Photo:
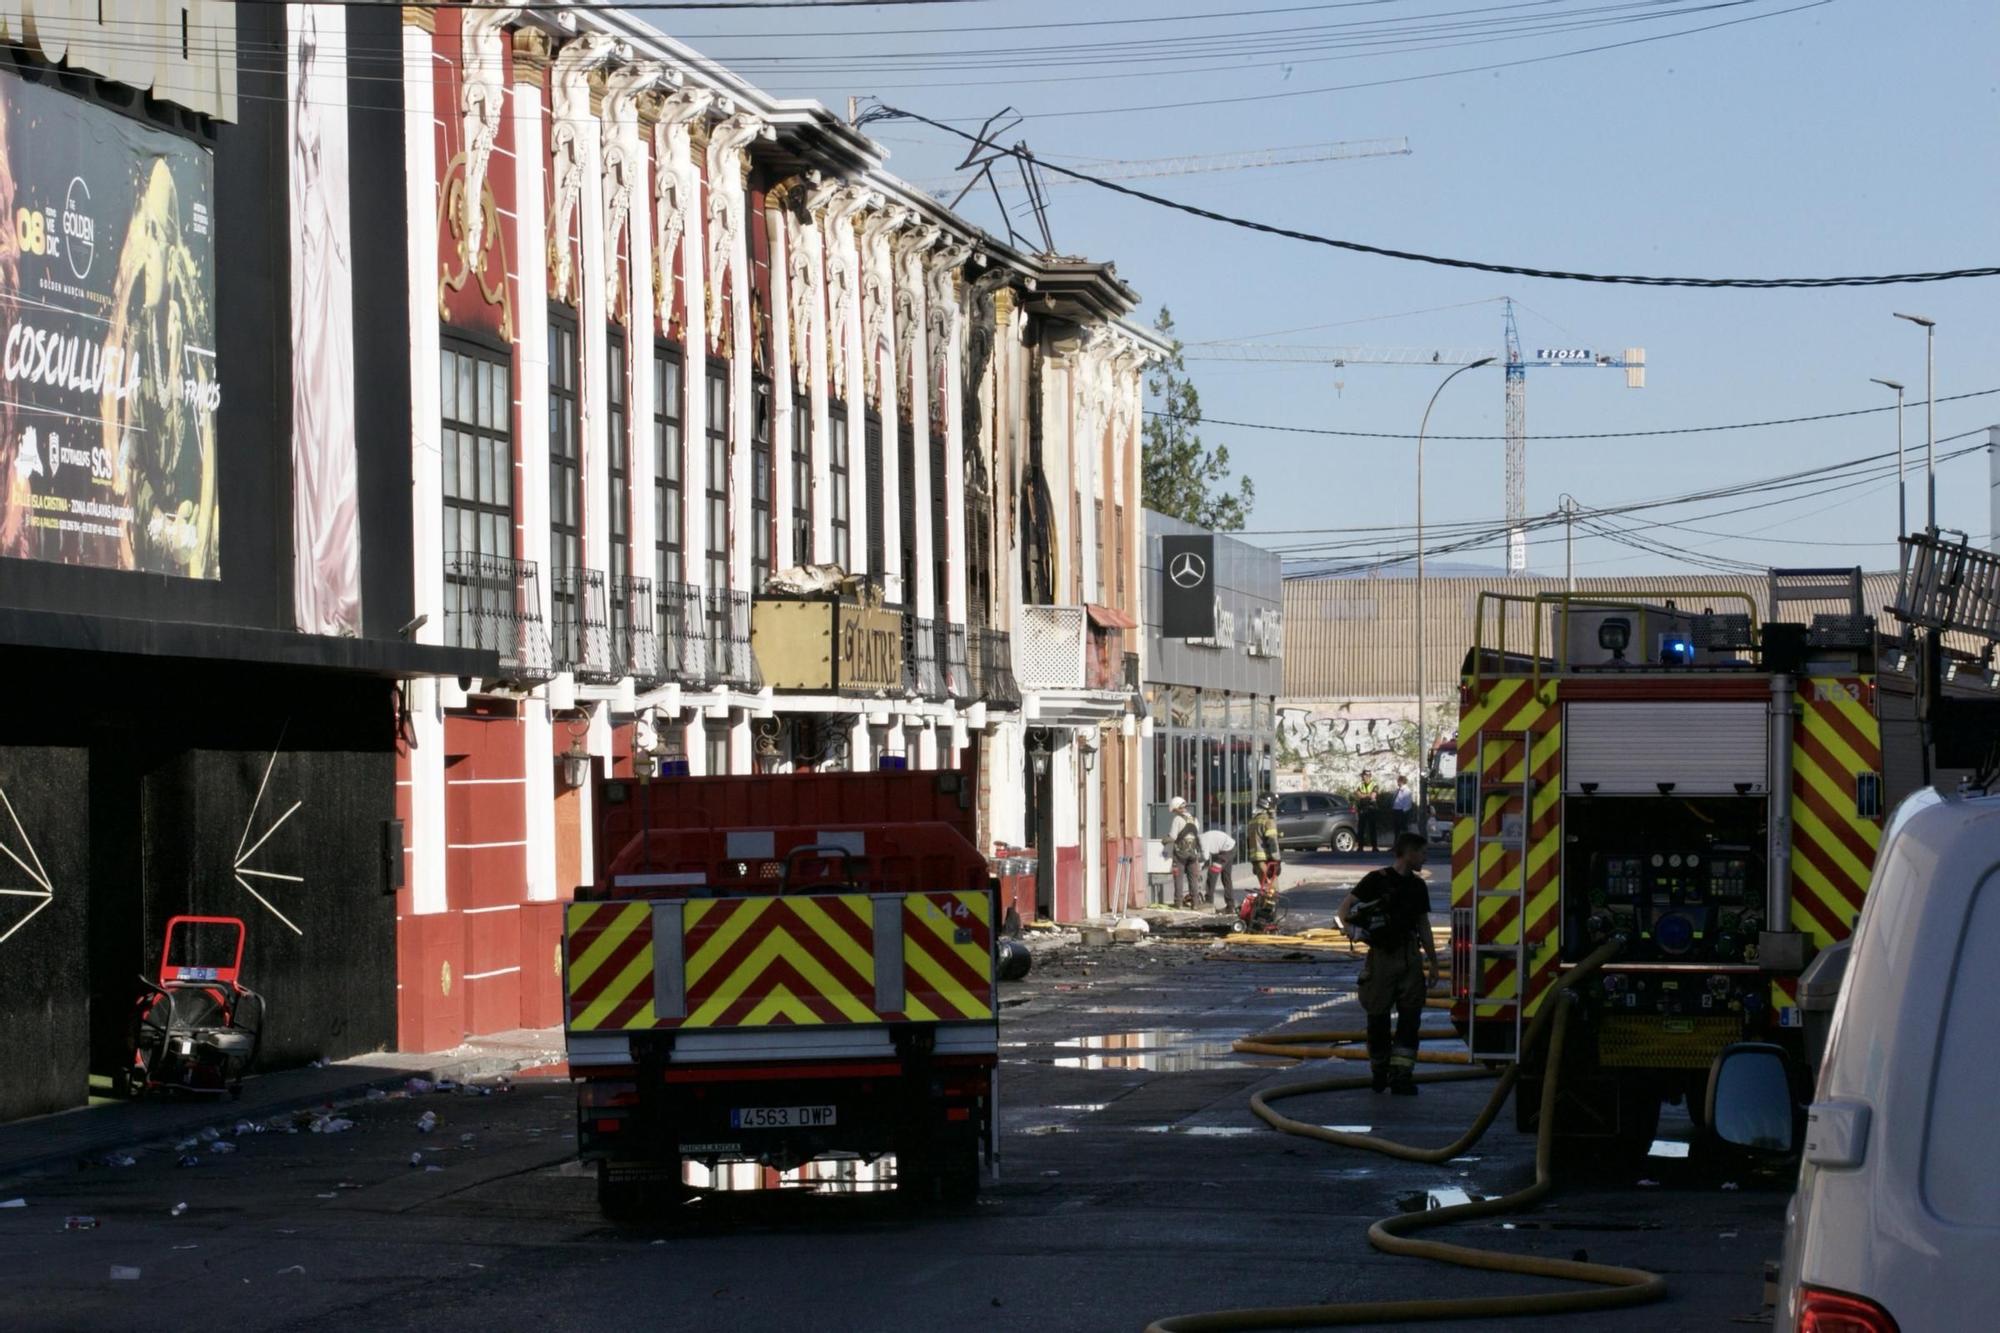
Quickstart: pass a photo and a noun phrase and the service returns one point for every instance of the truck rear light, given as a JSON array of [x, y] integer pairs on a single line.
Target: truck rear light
[[958, 1113], [607, 1126], [602, 1093], [1837, 1312]]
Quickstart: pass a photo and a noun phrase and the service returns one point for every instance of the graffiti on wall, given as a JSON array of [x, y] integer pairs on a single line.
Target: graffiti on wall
[[1326, 748]]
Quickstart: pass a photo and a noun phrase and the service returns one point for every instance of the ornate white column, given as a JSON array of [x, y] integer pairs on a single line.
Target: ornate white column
[[879, 378], [634, 103], [844, 374], [532, 60], [943, 360], [777, 240]]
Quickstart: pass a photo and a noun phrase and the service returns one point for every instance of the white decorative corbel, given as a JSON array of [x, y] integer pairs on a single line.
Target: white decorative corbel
[[909, 248], [941, 269], [624, 162], [571, 101], [673, 188], [482, 102], [834, 205], [725, 209]]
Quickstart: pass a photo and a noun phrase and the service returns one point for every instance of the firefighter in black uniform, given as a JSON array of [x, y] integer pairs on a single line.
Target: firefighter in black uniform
[[1390, 911]]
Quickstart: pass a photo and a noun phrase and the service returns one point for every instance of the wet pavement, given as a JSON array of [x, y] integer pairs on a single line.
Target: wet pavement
[[1134, 1183]]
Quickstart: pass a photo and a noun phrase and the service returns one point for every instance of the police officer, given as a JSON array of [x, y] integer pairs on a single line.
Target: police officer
[[1366, 794], [1184, 850], [1390, 911]]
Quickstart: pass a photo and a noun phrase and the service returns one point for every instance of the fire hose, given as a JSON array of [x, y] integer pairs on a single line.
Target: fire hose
[[1612, 1286]]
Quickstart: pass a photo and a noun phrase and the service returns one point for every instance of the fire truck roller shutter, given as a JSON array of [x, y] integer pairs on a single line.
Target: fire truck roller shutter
[[1701, 749]]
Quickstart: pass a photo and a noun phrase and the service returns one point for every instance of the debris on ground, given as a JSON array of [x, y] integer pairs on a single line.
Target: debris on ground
[[416, 1087], [189, 1159], [13, 1203], [117, 1159], [222, 1145], [247, 1127], [122, 1273], [80, 1222], [210, 1134], [300, 1269], [331, 1124], [177, 1210], [427, 1122], [416, 1159]]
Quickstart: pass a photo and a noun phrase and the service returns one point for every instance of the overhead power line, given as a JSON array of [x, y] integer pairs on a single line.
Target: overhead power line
[[1575, 435], [882, 111]]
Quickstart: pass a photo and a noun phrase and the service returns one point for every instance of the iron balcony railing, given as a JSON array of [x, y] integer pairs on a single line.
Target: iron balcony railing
[[683, 633], [993, 680], [730, 661], [583, 626], [957, 669], [494, 603], [635, 645], [920, 648]]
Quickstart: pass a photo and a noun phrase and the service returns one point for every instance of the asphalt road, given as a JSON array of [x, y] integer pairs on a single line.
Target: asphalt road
[[1134, 1183]]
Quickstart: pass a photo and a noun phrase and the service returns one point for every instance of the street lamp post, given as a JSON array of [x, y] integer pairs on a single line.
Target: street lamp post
[[1569, 543], [1929, 327], [1423, 755], [1902, 504]]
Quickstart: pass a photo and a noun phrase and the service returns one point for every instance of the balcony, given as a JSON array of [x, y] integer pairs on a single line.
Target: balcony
[[1071, 662], [957, 666], [582, 626], [635, 645], [683, 633], [494, 604], [992, 664], [730, 661], [923, 676]]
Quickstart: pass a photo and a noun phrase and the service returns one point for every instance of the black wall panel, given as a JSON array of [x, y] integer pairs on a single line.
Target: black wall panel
[[44, 1001]]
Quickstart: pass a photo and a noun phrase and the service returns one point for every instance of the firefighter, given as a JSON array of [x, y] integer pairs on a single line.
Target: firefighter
[[1184, 849], [1366, 794], [1390, 911], [1266, 858]]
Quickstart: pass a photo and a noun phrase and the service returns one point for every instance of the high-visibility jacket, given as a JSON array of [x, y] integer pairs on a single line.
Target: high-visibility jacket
[[1264, 837]]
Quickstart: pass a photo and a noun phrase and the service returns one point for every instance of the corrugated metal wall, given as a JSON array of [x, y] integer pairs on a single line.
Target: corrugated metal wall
[[1356, 638]]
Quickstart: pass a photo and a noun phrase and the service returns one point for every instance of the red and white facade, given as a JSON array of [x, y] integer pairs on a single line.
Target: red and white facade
[[671, 337]]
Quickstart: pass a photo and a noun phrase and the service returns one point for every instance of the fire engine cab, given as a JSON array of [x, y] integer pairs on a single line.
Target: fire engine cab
[[1678, 774]]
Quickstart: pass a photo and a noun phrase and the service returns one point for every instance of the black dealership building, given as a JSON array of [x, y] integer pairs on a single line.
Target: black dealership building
[[205, 582]]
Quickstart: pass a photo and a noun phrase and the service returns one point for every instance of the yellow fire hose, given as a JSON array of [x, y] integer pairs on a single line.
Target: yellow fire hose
[[1613, 1286]]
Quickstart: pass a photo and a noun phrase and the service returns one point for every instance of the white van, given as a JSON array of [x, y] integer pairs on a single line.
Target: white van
[[1896, 1224]]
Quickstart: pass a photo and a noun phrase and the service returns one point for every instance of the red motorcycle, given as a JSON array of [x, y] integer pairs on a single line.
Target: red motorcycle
[[197, 1028]]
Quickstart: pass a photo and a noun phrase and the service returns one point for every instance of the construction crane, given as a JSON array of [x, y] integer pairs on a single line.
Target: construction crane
[[1632, 362], [1155, 168]]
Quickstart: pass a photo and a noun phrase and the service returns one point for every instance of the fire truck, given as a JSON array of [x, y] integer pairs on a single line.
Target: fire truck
[[783, 970], [1677, 773]]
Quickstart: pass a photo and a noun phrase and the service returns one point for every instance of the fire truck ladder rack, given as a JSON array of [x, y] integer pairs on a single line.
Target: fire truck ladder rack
[[1496, 795], [1948, 584]]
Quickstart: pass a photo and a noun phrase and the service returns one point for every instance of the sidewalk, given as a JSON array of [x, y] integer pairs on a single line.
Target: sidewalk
[[79, 1137]]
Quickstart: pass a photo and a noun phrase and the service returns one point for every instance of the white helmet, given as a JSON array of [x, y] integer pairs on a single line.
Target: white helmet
[[1178, 803]]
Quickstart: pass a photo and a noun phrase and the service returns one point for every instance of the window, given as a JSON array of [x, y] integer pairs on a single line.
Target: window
[[618, 452], [477, 450], [763, 529], [839, 467], [940, 530], [871, 446], [717, 738], [802, 481], [716, 430], [667, 465], [565, 485], [906, 506], [1288, 806], [1318, 805]]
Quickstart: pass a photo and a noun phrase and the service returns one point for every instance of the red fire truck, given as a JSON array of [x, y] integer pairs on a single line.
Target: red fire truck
[[1667, 771], [813, 981]]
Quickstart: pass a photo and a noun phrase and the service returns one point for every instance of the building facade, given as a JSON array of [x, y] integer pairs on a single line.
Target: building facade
[[201, 625], [1211, 699], [741, 456]]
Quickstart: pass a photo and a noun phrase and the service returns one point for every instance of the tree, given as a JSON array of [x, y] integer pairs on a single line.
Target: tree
[[1182, 478]]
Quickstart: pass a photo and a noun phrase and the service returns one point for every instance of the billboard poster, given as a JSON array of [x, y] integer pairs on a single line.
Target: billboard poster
[[1187, 587], [326, 520], [108, 379]]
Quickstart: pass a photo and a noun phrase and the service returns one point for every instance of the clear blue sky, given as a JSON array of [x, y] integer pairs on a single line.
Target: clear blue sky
[[1847, 137]]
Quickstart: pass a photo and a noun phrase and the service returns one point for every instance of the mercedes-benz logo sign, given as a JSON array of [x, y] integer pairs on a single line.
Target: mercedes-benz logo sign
[[1188, 570]]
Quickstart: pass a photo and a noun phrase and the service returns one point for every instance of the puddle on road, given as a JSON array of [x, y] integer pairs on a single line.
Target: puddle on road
[[1219, 1131], [1081, 1107], [1157, 1050]]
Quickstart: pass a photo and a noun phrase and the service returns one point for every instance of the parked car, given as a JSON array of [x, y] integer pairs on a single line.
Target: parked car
[[1308, 820], [1896, 1223]]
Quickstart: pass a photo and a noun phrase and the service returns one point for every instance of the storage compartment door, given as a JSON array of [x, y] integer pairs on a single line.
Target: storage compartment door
[[1701, 749]]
